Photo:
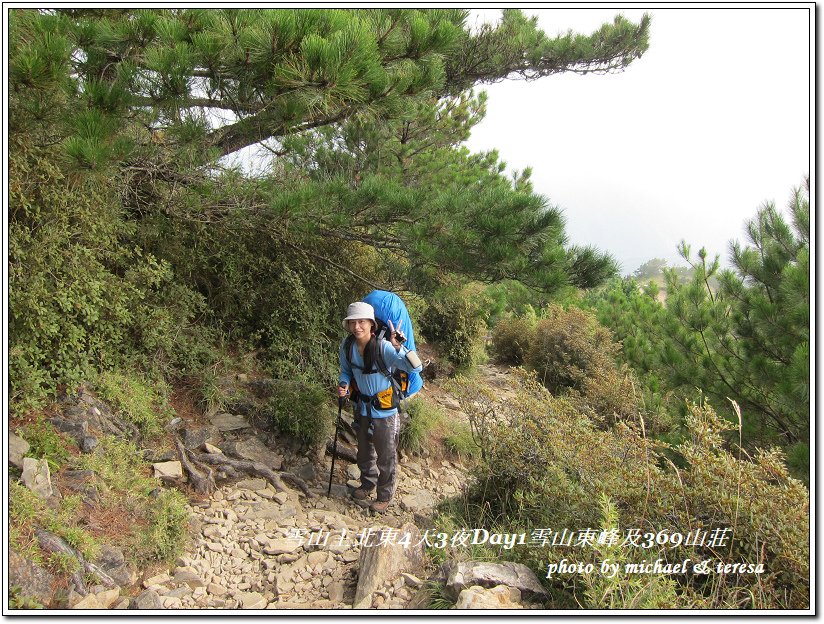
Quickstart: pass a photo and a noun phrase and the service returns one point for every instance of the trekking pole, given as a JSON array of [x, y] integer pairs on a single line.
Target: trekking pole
[[335, 445]]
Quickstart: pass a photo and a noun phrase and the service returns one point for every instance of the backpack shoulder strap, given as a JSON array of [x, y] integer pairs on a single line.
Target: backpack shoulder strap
[[347, 350]]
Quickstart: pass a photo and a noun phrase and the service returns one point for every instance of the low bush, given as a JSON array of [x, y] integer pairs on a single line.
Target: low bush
[[459, 441], [164, 537], [511, 339], [454, 319], [301, 410], [549, 465], [568, 346], [46, 443], [137, 399]]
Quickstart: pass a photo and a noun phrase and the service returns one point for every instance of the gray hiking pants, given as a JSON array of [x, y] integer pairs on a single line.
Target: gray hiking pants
[[377, 454]]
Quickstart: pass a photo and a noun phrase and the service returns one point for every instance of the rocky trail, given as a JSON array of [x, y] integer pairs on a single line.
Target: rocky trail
[[256, 542]]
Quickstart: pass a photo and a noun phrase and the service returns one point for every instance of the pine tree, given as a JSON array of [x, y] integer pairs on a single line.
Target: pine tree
[[239, 76], [741, 333]]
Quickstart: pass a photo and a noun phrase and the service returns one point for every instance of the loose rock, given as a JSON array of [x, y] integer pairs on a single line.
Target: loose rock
[[18, 448], [36, 476]]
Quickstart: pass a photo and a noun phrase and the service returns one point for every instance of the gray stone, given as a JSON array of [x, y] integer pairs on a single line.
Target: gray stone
[[251, 600], [229, 422], [352, 471], [317, 557], [499, 597], [420, 501], [216, 590], [411, 580], [148, 599], [465, 574], [174, 424], [112, 562], [36, 476], [88, 444], [168, 470], [254, 450], [307, 472], [179, 592], [18, 448], [251, 484], [77, 430], [282, 546], [382, 562], [211, 448], [33, 581], [189, 578], [195, 438], [336, 591]]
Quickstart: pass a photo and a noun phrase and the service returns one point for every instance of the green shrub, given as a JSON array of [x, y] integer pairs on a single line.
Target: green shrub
[[82, 297], [455, 321], [301, 411], [165, 536], [121, 468], [511, 339]]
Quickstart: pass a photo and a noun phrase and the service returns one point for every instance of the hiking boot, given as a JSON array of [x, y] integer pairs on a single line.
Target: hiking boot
[[379, 506], [360, 494]]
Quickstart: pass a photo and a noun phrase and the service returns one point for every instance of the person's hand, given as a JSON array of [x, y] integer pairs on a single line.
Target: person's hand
[[343, 390], [395, 336]]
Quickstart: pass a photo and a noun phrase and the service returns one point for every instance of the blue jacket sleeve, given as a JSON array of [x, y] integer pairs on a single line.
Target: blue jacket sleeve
[[397, 359], [345, 377]]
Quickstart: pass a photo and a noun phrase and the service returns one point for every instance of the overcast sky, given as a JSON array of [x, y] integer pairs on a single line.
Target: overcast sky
[[686, 143]]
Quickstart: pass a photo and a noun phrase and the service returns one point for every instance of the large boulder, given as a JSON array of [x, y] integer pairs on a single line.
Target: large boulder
[[383, 559], [465, 574], [499, 597]]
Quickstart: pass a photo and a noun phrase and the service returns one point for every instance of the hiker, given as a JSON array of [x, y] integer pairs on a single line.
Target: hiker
[[375, 398]]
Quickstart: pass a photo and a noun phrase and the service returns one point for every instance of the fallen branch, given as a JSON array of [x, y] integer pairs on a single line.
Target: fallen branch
[[202, 481], [259, 470]]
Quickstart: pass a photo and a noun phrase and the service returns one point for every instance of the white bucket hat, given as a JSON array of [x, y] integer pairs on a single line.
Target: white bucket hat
[[358, 310]]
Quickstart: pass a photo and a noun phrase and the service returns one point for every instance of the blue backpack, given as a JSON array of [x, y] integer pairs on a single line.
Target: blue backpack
[[388, 307]]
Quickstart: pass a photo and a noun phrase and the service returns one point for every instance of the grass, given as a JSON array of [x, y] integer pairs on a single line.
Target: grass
[[132, 512], [424, 420], [142, 402], [46, 443], [459, 441]]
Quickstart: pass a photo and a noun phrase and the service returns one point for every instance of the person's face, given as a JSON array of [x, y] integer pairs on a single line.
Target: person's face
[[361, 328]]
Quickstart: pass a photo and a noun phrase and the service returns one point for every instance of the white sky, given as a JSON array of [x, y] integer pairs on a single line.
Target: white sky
[[688, 142]]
